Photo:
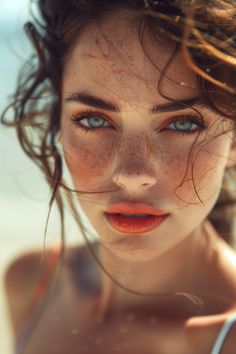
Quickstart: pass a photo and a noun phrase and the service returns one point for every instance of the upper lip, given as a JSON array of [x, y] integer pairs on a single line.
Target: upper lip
[[134, 208]]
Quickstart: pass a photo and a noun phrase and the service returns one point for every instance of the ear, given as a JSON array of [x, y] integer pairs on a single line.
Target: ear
[[231, 161]]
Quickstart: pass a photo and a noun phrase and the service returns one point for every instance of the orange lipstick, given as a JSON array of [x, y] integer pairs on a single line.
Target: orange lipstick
[[134, 217]]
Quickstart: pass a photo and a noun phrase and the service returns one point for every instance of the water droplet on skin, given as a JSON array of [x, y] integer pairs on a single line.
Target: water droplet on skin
[[130, 317], [75, 331]]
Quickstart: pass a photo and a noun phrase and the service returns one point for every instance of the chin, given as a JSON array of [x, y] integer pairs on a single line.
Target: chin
[[135, 251]]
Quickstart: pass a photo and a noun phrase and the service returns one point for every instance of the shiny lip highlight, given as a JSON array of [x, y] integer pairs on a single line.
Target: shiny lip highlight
[[134, 208]]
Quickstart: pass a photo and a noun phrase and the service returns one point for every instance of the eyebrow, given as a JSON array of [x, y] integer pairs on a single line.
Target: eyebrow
[[94, 101]]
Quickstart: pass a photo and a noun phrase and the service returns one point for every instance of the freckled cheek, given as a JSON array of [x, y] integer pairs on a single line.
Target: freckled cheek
[[210, 163], [206, 159], [89, 161], [204, 175], [173, 164], [175, 168]]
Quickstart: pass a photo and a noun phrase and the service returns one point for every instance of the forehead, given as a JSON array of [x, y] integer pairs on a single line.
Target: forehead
[[109, 58]]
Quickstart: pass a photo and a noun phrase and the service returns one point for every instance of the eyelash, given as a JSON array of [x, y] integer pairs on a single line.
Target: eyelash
[[193, 118], [76, 118]]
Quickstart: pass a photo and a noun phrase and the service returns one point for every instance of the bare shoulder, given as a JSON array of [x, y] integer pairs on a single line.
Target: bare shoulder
[[23, 268], [20, 279], [30, 274], [23, 280]]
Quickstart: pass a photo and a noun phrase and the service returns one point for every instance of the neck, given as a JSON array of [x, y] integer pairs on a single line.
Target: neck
[[169, 273]]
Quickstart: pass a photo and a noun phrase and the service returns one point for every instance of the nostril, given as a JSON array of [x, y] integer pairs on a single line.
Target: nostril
[[134, 181]]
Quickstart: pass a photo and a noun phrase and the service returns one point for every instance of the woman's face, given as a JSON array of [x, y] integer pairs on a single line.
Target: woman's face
[[124, 142]]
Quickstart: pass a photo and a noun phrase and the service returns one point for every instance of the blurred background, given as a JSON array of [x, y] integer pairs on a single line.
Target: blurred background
[[23, 193]]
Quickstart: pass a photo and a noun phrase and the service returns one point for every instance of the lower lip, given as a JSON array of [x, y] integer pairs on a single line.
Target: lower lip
[[135, 224]]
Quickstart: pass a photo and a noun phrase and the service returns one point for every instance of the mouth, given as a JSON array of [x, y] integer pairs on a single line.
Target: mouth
[[134, 218]]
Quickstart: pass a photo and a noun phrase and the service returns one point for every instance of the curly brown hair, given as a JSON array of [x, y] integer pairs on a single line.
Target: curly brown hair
[[205, 32]]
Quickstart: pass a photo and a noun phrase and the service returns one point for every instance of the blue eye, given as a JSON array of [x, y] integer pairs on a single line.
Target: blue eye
[[186, 124], [90, 121], [94, 122]]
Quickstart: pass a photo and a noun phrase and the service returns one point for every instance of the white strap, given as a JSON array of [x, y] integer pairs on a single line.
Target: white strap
[[223, 333]]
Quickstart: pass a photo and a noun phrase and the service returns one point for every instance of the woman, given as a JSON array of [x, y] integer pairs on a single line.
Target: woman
[[137, 100]]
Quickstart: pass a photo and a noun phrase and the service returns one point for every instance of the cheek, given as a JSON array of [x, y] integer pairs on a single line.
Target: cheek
[[173, 162], [211, 161], [203, 179], [88, 161]]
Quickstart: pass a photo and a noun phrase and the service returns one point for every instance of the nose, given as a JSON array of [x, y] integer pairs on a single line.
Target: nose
[[135, 168], [134, 183]]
